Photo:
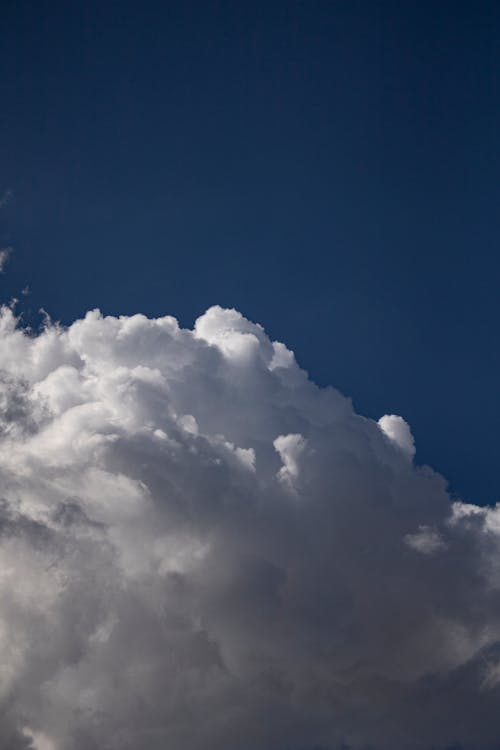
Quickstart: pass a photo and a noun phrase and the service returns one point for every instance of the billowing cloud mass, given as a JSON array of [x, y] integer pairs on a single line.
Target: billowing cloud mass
[[202, 550]]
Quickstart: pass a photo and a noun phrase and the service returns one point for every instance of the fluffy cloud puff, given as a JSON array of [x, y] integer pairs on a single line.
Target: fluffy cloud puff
[[202, 550]]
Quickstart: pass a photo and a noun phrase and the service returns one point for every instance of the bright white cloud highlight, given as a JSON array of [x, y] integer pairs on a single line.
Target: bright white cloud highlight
[[398, 431], [202, 550]]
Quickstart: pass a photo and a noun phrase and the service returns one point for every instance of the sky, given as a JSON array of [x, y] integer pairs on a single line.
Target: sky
[[251, 503], [329, 169]]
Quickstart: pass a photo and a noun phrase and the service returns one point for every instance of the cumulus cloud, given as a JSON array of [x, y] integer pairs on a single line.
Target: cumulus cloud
[[202, 550]]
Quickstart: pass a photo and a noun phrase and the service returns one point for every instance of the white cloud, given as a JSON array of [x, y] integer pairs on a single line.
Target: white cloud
[[398, 431], [202, 550], [290, 449]]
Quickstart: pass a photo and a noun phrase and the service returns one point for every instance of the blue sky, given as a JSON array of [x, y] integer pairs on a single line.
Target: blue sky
[[200, 549], [329, 169]]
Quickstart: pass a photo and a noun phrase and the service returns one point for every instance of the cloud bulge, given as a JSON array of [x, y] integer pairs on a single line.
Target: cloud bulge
[[200, 549]]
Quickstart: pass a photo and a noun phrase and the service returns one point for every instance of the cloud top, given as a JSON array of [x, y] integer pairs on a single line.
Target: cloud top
[[398, 431], [201, 549]]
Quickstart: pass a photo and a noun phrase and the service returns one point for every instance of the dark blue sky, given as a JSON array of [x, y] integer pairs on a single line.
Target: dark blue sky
[[330, 169]]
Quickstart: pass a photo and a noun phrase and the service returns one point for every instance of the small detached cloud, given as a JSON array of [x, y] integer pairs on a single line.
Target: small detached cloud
[[5, 254], [5, 197], [200, 549]]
